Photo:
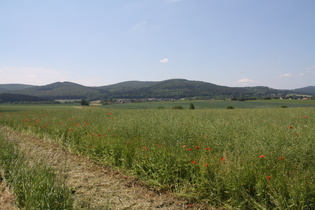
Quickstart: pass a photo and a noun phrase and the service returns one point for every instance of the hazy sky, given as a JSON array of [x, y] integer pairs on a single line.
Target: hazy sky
[[101, 42]]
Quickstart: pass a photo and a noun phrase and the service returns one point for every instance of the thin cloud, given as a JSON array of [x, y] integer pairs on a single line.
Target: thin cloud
[[310, 70], [245, 80], [164, 60], [139, 25], [287, 75]]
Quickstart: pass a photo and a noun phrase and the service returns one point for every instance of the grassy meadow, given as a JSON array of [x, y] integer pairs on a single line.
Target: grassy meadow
[[240, 158]]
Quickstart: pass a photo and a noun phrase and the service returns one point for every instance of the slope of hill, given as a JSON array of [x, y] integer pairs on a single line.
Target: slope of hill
[[60, 90], [10, 98], [6, 87], [309, 90], [125, 86], [179, 88], [173, 88]]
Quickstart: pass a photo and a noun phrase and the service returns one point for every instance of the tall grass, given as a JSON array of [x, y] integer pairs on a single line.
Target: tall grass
[[34, 185], [251, 158]]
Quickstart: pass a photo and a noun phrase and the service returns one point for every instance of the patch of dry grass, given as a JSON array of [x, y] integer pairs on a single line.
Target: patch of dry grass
[[7, 199]]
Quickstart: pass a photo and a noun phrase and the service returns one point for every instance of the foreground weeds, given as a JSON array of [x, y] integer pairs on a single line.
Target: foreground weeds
[[258, 158], [34, 185]]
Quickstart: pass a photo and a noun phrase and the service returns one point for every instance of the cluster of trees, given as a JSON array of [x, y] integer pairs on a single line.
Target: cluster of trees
[[20, 98]]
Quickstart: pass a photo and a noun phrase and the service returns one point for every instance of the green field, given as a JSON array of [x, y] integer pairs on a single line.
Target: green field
[[217, 104], [241, 158]]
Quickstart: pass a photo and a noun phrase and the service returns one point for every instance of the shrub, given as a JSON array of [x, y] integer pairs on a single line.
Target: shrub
[[191, 106], [178, 107], [229, 107]]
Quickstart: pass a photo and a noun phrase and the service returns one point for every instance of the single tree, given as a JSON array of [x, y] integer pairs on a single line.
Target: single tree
[[84, 102]]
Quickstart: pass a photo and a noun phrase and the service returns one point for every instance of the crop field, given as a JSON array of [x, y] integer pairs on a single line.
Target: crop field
[[239, 158], [216, 104]]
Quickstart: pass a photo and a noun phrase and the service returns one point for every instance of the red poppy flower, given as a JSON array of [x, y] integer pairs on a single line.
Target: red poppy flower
[[250, 189], [208, 148], [206, 164], [280, 158], [222, 159], [189, 149], [197, 147], [268, 177], [184, 146], [262, 156], [291, 127], [193, 162]]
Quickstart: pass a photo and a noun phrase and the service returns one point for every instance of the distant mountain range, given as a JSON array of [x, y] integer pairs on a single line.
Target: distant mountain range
[[173, 88]]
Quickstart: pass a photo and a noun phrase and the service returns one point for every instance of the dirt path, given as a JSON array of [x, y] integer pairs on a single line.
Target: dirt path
[[94, 186]]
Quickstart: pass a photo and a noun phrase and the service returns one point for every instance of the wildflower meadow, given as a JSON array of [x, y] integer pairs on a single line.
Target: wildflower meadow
[[240, 158]]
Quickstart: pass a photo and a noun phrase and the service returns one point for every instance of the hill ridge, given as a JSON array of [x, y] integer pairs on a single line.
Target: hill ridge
[[171, 88]]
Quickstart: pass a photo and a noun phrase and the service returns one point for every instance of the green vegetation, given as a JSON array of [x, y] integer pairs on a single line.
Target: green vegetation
[[171, 89], [309, 90], [211, 104], [35, 186], [84, 102], [5, 87], [229, 107], [19, 98], [247, 158], [178, 107]]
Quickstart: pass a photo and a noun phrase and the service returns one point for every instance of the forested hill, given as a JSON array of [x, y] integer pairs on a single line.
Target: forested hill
[[180, 88], [309, 90], [9, 87], [60, 90], [11, 98], [174, 88]]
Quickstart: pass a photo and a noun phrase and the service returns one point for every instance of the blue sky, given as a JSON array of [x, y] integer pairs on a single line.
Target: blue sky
[[101, 42]]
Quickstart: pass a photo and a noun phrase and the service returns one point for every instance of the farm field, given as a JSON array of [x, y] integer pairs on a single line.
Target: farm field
[[217, 104], [241, 158]]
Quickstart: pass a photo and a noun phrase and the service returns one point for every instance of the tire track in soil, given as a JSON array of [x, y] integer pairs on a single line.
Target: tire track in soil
[[94, 186]]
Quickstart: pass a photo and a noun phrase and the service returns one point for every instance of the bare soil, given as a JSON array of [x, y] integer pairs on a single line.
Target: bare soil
[[93, 186]]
